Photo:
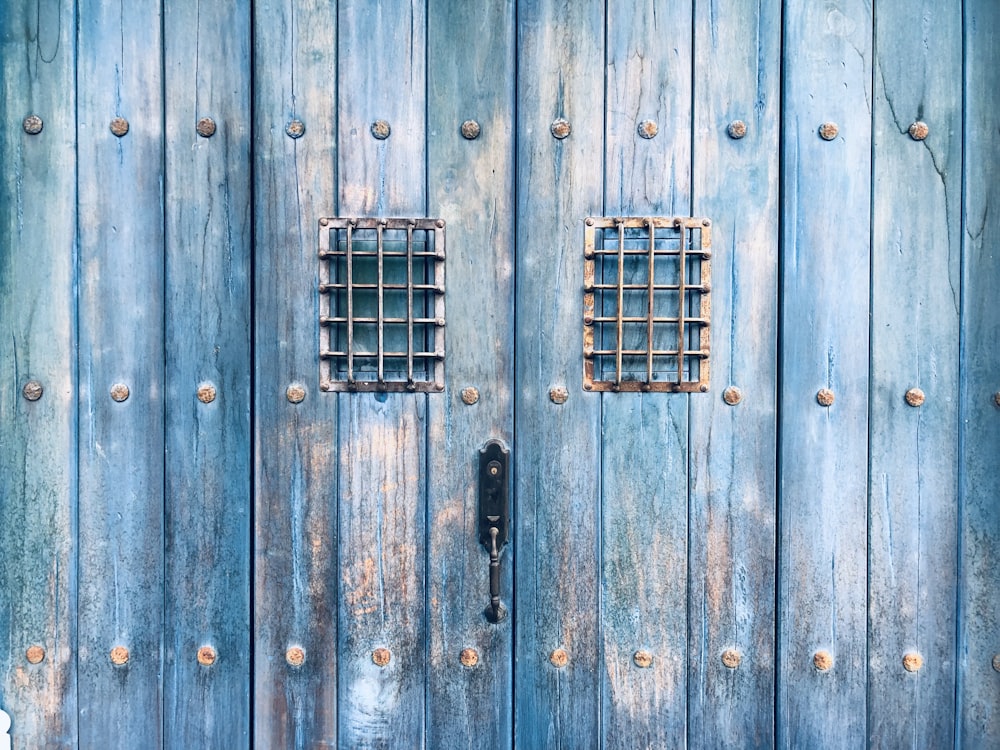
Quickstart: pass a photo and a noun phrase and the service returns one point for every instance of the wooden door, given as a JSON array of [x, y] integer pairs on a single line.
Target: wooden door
[[209, 539]]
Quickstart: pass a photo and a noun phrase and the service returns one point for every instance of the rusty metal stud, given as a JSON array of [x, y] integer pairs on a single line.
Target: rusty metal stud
[[295, 656], [35, 654], [915, 397], [470, 395], [119, 656], [205, 127], [912, 661], [469, 657], [996, 662], [32, 390], [559, 395], [295, 393], [642, 659], [731, 658], [828, 131], [295, 128], [381, 657], [470, 130], [32, 124], [732, 395], [823, 661], [824, 397], [560, 128], [559, 658], [206, 656], [648, 129], [589, 221], [206, 393], [119, 392], [737, 129], [381, 130], [918, 130], [439, 223], [119, 126]]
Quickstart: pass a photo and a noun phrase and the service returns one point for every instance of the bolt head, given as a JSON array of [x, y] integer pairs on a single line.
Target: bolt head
[[470, 130], [205, 127], [825, 397], [119, 656], [470, 395], [560, 128], [828, 131], [206, 656], [731, 658], [648, 129], [119, 126], [119, 392], [732, 395], [912, 661], [381, 657], [737, 129], [559, 658], [469, 657], [559, 395], [823, 661], [915, 397], [295, 393], [919, 130], [35, 654], [380, 130], [642, 659], [206, 393], [32, 390], [295, 656], [32, 124], [295, 129]]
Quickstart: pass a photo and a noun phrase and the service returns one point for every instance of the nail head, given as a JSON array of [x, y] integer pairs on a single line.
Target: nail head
[[731, 658], [35, 654], [381, 657], [295, 129], [206, 656], [825, 397], [32, 124], [119, 392], [470, 130], [560, 128], [732, 395], [381, 130], [823, 661], [295, 656], [642, 659], [206, 393], [119, 656], [737, 129], [206, 127], [559, 658], [470, 395], [828, 131], [295, 393], [119, 126], [915, 397], [648, 129], [912, 661], [32, 390], [469, 657], [919, 130], [559, 395]]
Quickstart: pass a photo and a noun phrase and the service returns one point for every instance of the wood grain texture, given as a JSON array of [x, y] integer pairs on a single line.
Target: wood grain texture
[[979, 581], [731, 556], [207, 474], [121, 342], [557, 488], [296, 463], [382, 494], [471, 186], [823, 450], [916, 281], [644, 445], [37, 338]]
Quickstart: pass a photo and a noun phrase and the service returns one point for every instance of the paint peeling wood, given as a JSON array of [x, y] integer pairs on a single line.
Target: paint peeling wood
[[979, 582], [296, 465], [731, 603], [208, 225], [823, 450], [916, 279], [37, 337], [470, 76], [121, 341]]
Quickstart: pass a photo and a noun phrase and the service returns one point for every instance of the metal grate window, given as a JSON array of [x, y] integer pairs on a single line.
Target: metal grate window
[[381, 285], [646, 305]]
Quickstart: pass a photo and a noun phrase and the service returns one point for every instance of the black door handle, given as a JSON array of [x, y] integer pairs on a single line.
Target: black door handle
[[494, 516]]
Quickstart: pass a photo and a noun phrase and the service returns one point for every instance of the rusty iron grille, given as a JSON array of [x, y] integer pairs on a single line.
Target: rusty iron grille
[[381, 285], [646, 304]]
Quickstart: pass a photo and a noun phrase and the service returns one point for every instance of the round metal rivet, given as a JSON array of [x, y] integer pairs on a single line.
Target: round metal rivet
[[823, 661], [470, 130], [469, 657], [824, 397], [732, 395], [912, 661], [703, 388], [295, 393], [295, 656], [35, 654], [560, 128], [295, 129], [648, 129], [206, 393], [915, 397], [706, 223], [206, 656], [119, 656], [470, 395], [737, 129], [32, 124], [119, 392], [559, 658], [996, 662], [381, 657], [559, 395], [119, 126], [381, 130], [439, 223], [205, 127], [642, 659], [32, 390], [731, 658], [918, 130], [589, 222], [828, 131]]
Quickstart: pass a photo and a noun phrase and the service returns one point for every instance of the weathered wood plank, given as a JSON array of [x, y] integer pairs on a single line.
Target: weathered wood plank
[[296, 466], [733, 482], [37, 337], [383, 438], [916, 277], [470, 76], [121, 347], [644, 445], [557, 495], [979, 581], [823, 450], [207, 348]]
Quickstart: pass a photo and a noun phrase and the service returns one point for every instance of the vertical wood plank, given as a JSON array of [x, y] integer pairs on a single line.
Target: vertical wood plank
[[557, 543], [979, 581], [383, 437], [207, 474], [823, 450], [471, 76], [644, 481], [733, 447], [37, 339], [121, 346], [296, 466], [916, 278]]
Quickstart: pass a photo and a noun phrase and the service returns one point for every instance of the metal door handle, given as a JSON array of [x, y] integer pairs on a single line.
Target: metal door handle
[[494, 516]]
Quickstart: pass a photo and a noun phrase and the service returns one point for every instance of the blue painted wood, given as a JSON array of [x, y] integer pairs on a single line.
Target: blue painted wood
[[207, 348], [731, 558], [295, 444], [120, 346], [979, 571], [916, 281], [37, 314], [823, 450], [470, 75]]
